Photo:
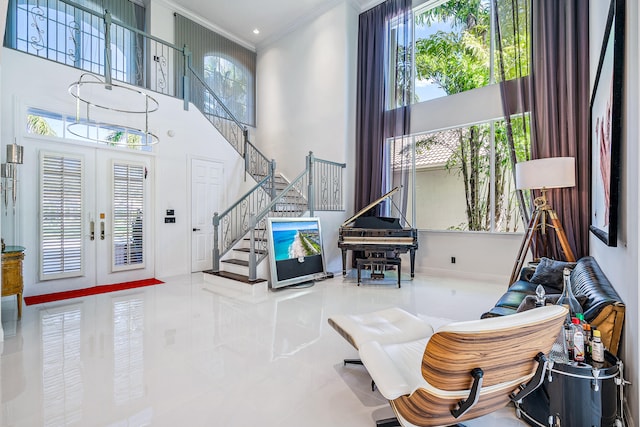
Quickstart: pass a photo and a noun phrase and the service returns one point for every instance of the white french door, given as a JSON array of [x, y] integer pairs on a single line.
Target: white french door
[[94, 216]]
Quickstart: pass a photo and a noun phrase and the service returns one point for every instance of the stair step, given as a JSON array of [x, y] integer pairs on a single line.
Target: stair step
[[234, 276], [247, 250], [236, 262], [257, 239]]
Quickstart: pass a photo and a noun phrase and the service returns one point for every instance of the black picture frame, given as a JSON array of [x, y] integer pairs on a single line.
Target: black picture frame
[[606, 128]]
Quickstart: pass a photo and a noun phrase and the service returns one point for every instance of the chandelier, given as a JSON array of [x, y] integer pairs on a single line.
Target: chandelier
[[95, 97]]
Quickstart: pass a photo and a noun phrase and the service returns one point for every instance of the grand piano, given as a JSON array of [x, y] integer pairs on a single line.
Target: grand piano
[[382, 239]]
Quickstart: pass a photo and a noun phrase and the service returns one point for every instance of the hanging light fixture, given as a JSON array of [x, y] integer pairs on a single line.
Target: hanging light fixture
[[92, 93]]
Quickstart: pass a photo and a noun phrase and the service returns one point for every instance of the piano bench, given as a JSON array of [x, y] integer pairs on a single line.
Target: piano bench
[[378, 262]]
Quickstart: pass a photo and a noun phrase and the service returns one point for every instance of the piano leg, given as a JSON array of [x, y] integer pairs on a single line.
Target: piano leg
[[412, 255], [344, 262]]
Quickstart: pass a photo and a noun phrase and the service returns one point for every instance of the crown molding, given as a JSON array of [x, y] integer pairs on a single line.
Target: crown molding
[[196, 18]]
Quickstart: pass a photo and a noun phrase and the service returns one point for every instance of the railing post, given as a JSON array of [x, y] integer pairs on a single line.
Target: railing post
[[253, 268], [216, 247], [107, 48], [186, 85], [245, 136], [310, 191], [245, 154], [272, 174]]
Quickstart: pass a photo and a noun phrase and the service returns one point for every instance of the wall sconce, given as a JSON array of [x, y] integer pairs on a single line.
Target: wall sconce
[[9, 173]]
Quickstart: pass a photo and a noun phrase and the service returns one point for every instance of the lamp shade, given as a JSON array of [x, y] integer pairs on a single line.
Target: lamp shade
[[552, 172]]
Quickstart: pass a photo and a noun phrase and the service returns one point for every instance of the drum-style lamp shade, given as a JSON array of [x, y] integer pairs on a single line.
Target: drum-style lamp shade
[[552, 172]]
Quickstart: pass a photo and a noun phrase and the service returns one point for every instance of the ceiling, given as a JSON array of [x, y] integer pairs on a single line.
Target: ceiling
[[237, 19]]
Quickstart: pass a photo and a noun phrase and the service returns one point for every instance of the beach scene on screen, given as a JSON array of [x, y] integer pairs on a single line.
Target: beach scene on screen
[[295, 239]]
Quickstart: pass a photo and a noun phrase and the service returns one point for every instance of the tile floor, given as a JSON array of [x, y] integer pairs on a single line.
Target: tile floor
[[192, 353]]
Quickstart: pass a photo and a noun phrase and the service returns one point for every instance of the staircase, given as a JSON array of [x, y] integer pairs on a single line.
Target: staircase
[[240, 238], [236, 265]]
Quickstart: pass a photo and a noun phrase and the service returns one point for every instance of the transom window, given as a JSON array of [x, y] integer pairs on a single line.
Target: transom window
[[47, 123]]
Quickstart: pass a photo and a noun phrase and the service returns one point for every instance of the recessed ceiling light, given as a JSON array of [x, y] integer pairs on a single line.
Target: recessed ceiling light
[[256, 31]]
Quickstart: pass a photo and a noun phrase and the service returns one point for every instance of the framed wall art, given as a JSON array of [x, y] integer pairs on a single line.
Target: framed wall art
[[606, 128]]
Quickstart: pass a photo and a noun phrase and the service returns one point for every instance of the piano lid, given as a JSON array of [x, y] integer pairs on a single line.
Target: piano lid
[[369, 206]]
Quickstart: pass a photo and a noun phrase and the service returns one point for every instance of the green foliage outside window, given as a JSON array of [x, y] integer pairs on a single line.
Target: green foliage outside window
[[458, 59]]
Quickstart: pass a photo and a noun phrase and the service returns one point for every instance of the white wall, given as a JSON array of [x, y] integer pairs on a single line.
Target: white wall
[[620, 263], [479, 255], [306, 102], [22, 86], [440, 200]]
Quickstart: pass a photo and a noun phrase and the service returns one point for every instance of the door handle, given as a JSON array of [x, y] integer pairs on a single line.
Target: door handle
[[92, 230], [196, 229], [101, 230]]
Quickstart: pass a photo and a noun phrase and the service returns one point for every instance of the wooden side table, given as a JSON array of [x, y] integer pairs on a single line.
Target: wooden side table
[[12, 284]]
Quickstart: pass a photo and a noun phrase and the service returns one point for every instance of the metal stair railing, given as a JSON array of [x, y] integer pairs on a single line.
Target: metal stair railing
[[233, 224], [204, 98], [320, 177]]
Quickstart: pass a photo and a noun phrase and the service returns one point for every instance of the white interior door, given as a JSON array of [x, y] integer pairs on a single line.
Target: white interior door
[[206, 199], [94, 218]]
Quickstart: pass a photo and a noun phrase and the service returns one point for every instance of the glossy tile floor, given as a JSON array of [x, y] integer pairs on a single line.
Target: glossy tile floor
[[192, 353]]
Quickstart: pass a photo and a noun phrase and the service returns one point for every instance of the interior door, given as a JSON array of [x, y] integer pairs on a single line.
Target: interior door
[[206, 199], [94, 218]]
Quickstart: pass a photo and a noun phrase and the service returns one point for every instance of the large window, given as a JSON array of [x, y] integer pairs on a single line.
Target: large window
[[67, 34], [453, 47], [461, 170], [462, 178]]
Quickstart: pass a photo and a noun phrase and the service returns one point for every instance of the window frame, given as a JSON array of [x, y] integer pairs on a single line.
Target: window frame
[[483, 104]]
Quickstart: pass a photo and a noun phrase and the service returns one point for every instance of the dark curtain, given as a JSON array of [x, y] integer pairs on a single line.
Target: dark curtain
[[560, 108], [382, 93]]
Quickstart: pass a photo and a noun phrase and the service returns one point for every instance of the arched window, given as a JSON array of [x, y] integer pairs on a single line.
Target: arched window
[[230, 81]]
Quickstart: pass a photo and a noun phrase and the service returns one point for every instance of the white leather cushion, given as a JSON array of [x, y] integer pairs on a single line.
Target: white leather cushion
[[395, 368], [392, 325]]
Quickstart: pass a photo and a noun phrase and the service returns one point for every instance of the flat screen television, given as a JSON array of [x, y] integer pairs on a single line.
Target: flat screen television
[[295, 251]]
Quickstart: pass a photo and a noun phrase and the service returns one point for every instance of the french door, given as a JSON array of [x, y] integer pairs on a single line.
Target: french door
[[94, 218]]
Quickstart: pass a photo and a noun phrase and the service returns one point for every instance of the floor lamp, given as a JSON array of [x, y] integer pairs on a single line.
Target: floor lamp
[[543, 174]]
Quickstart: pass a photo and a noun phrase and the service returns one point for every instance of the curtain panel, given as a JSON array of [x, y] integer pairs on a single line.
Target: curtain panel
[[560, 108], [383, 92]]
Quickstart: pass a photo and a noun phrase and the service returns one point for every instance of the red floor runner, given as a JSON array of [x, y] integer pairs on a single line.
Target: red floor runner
[[41, 299]]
